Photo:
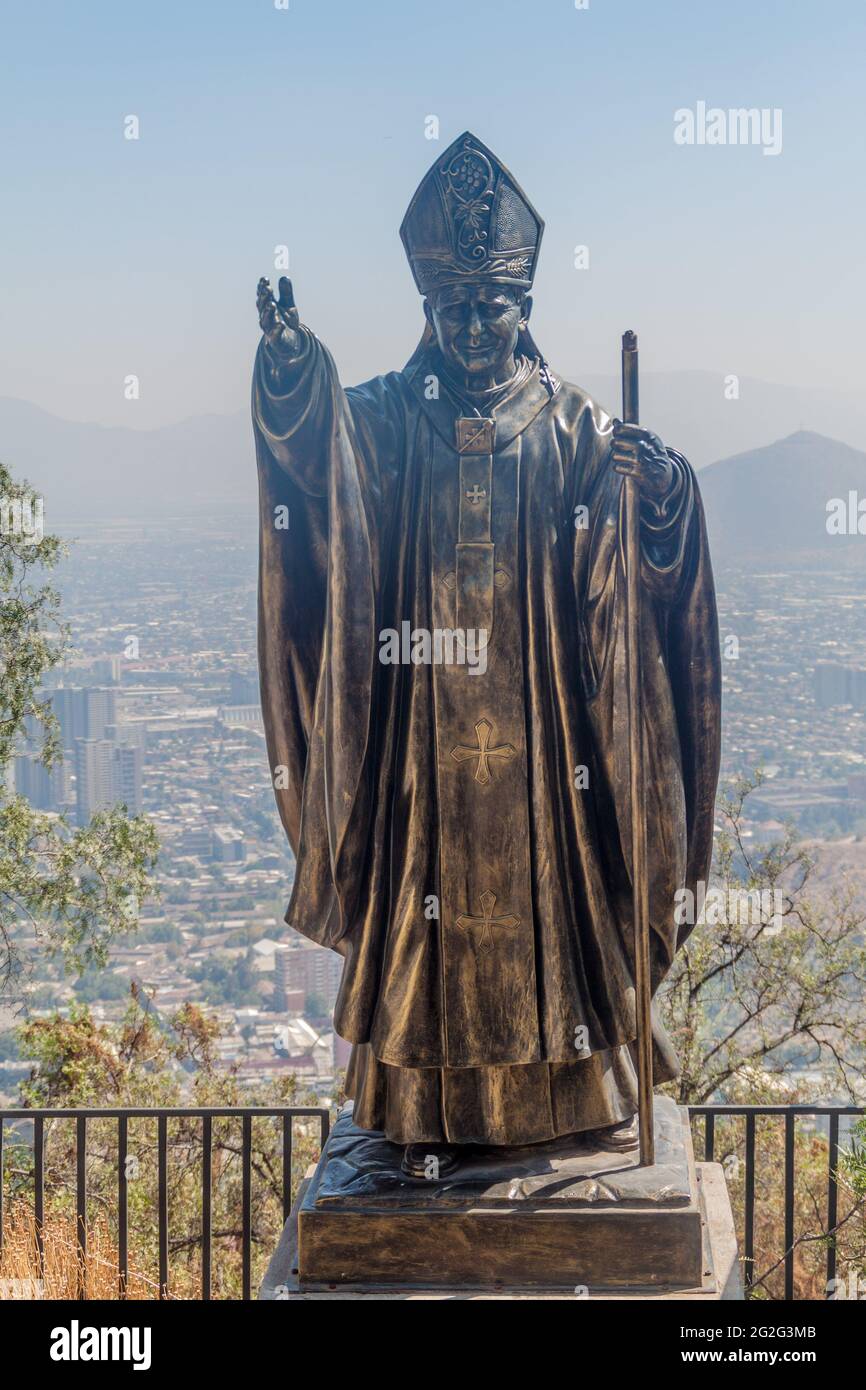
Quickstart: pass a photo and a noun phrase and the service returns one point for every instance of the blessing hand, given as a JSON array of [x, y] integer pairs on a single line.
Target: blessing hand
[[279, 318]]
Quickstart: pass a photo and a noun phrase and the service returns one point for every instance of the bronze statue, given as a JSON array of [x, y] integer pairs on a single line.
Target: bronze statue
[[443, 673]]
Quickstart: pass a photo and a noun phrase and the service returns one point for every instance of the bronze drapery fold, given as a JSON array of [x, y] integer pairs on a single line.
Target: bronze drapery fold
[[526, 973]]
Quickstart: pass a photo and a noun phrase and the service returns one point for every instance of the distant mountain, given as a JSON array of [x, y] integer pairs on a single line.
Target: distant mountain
[[772, 502], [89, 471], [690, 411]]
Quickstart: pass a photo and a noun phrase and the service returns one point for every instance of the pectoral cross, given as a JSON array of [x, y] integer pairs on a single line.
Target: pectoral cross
[[475, 434], [482, 751], [486, 921]]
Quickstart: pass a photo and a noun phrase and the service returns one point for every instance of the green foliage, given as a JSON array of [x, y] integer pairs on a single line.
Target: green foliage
[[100, 984], [228, 981], [72, 889], [777, 984], [160, 932], [142, 1062], [755, 998], [811, 1230], [855, 1160], [32, 637]]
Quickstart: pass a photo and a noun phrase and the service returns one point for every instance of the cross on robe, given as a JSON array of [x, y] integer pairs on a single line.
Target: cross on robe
[[482, 751], [486, 921]]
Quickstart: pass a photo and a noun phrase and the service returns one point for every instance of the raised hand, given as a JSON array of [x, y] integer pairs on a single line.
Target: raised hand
[[278, 317]]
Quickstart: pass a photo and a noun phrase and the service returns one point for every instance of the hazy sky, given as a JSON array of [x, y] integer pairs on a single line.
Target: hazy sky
[[260, 126]]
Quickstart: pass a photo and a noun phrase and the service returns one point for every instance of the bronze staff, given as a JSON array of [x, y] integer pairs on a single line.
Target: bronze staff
[[637, 787]]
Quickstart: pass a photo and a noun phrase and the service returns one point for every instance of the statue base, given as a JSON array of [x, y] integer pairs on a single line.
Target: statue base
[[548, 1220]]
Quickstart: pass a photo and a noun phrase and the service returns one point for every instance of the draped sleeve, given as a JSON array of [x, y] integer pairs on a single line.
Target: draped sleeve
[[681, 675], [328, 463]]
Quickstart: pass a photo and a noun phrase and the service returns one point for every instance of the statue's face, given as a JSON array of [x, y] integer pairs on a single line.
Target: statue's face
[[476, 326]]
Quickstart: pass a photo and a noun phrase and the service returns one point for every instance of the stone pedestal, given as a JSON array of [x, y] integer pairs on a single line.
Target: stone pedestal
[[552, 1220]]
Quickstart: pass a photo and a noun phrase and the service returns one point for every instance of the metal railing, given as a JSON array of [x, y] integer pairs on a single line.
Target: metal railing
[[162, 1115], [287, 1114], [790, 1114]]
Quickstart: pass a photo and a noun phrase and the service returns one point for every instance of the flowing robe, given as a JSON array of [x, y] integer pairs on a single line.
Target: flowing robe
[[463, 836]]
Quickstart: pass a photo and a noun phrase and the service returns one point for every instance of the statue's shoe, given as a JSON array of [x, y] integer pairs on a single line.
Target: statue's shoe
[[616, 1139], [432, 1162]]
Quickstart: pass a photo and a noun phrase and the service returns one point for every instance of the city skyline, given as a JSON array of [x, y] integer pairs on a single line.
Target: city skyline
[[793, 704]]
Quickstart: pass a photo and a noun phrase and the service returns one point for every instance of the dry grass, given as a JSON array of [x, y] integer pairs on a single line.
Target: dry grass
[[58, 1274]]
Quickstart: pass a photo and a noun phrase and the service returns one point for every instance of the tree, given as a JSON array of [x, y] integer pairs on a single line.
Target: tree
[[74, 889], [140, 1062], [315, 1006], [772, 979], [765, 994], [227, 981]]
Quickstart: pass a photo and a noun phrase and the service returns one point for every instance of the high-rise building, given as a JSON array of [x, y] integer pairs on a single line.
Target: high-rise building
[[46, 788], [197, 841], [68, 707], [858, 689], [106, 670], [243, 688], [105, 773], [304, 966], [834, 684], [227, 844], [127, 770], [93, 776], [287, 996], [100, 710], [83, 711]]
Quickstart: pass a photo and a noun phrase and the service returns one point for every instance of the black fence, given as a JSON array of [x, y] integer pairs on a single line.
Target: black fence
[[708, 1114], [122, 1116], [788, 1114]]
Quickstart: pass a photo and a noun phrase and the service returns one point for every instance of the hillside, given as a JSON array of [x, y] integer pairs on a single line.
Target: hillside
[[772, 502]]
